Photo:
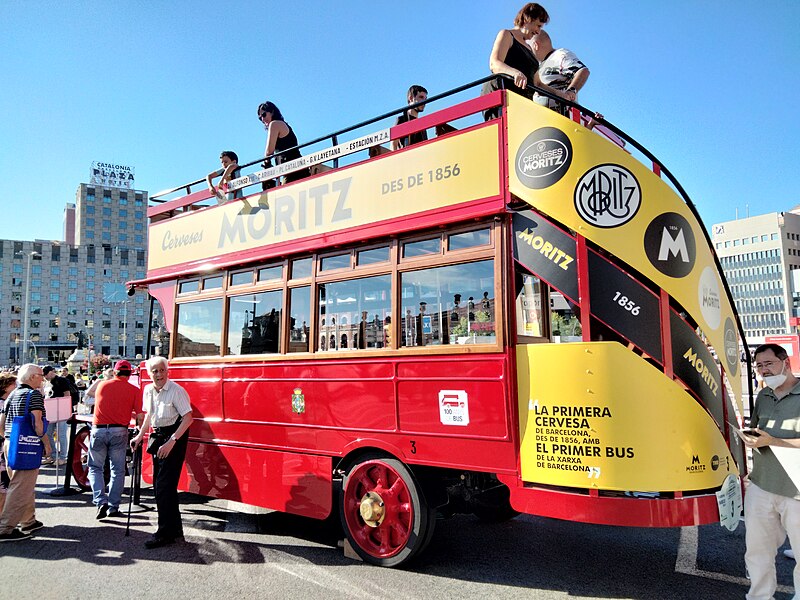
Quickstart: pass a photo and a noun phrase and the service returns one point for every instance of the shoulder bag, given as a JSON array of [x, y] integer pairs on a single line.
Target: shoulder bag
[[24, 446]]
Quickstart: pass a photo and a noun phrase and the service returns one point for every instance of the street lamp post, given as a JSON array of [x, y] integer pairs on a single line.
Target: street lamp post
[[30, 254], [125, 328]]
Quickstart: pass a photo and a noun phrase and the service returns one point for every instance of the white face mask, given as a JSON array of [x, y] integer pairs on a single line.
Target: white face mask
[[775, 381]]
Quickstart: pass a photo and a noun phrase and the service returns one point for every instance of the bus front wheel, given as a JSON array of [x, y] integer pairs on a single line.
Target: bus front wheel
[[383, 511]]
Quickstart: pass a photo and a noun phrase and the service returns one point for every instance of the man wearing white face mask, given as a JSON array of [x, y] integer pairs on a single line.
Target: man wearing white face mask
[[772, 501]]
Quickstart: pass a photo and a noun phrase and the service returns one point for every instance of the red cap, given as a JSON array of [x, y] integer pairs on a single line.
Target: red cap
[[123, 365]]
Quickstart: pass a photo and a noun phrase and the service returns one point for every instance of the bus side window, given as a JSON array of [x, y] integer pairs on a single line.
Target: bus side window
[[533, 324], [299, 318]]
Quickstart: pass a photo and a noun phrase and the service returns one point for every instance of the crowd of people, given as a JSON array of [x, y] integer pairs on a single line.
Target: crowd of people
[[161, 410]]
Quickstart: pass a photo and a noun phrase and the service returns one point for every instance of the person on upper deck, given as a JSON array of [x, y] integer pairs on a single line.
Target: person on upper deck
[[512, 56], [416, 93], [230, 170], [280, 137], [560, 72]]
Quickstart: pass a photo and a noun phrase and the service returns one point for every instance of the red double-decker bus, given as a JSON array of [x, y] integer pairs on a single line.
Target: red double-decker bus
[[378, 338]]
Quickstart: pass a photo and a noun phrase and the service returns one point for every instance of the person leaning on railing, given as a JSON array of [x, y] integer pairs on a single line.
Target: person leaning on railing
[[512, 56], [281, 139], [230, 170]]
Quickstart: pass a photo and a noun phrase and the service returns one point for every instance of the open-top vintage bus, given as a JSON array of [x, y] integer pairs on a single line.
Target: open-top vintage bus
[[377, 339]]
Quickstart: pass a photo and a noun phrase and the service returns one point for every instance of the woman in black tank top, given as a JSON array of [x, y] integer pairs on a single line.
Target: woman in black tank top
[[280, 137], [512, 56]]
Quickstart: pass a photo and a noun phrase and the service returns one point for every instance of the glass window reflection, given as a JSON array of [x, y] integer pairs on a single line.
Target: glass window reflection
[[254, 323], [469, 239], [299, 318], [199, 328], [302, 268], [352, 313], [422, 248], [448, 305]]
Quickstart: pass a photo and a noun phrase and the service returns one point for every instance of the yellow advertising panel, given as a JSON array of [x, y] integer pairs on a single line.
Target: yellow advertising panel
[[595, 415], [451, 171], [604, 194]]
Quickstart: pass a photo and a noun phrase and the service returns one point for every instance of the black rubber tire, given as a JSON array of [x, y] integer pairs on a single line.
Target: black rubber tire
[[419, 528]]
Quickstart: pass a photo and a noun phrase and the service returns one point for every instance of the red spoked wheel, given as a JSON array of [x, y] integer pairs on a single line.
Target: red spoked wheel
[[80, 458], [384, 513]]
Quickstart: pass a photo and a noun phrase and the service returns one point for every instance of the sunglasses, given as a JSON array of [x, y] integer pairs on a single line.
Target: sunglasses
[[261, 115]]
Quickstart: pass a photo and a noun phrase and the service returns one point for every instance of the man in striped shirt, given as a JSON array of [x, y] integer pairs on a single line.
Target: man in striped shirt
[[20, 506]]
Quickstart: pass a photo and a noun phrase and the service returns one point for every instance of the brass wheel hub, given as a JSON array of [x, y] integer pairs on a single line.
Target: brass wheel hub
[[372, 509]]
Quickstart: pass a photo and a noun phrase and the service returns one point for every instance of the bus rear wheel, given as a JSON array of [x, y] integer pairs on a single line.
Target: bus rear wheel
[[383, 512], [80, 458]]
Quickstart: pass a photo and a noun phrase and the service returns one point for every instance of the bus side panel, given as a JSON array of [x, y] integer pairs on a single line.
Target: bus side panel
[[331, 394], [202, 385], [448, 404], [300, 484]]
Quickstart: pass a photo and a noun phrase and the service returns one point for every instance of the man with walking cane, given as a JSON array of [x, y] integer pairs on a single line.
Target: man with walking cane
[[116, 401], [169, 413]]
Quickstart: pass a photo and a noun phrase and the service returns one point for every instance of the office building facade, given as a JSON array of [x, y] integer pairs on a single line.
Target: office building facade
[[79, 286], [759, 255]]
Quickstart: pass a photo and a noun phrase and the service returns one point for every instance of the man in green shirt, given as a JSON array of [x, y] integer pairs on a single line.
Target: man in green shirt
[[772, 499]]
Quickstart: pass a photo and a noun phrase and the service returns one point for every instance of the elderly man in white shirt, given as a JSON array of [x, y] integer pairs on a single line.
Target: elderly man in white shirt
[[168, 416]]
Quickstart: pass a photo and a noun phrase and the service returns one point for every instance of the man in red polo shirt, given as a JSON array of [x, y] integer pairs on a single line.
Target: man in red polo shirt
[[116, 401]]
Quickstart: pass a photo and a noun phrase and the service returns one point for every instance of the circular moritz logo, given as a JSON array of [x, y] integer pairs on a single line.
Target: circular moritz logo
[[714, 462], [731, 347], [608, 196], [543, 158], [669, 244]]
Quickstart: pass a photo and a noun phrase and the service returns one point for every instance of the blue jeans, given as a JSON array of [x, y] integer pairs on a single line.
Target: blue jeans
[[109, 442], [61, 428]]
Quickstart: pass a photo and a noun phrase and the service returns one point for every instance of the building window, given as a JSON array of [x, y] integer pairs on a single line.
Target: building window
[[90, 221], [90, 209]]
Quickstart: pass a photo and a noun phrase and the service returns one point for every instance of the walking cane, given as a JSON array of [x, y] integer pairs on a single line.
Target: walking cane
[[134, 479]]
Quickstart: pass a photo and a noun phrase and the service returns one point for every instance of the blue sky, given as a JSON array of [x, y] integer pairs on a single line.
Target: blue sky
[[710, 87]]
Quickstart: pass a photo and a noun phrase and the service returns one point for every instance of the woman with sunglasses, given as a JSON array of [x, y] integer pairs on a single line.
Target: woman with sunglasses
[[280, 139], [512, 55]]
